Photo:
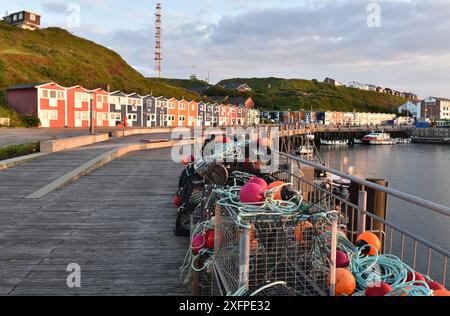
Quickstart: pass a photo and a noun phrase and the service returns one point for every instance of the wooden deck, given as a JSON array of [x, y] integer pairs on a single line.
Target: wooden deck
[[116, 223]]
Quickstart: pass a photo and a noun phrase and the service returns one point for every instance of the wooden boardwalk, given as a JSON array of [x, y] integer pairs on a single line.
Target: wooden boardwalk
[[116, 223]]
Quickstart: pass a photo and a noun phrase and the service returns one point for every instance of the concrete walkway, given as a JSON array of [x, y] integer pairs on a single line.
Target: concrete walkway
[[116, 223]]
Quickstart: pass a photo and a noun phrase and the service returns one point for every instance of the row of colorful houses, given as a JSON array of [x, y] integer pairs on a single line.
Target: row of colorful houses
[[57, 106], [328, 118]]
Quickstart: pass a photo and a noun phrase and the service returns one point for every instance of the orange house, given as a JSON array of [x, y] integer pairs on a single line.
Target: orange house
[[192, 113], [172, 113], [183, 113], [101, 107], [78, 107]]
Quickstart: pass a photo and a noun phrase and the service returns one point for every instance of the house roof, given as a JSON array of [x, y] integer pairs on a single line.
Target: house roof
[[134, 95], [27, 11], [25, 86]]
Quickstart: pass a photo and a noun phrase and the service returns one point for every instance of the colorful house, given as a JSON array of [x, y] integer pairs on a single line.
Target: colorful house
[[209, 114], [216, 114], [78, 107], [134, 110], [149, 111], [233, 115], [172, 114], [183, 113], [45, 101], [223, 115], [201, 114], [117, 108], [162, 112], [100, 103], [193, 110]]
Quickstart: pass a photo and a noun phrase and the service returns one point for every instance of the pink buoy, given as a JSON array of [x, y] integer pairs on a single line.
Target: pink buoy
[[342, 260], [198, 243], [260, 182], [251, 193]]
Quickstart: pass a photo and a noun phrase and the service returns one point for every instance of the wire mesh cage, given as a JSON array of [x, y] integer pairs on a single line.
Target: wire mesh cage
[[274, 249]]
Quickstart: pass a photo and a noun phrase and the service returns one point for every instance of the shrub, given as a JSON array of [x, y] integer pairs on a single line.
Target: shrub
[[30, 121]]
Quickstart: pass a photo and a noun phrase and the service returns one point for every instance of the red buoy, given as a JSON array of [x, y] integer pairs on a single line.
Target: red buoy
[[209, 238], [177, 201], [251, 193], [416, 277], [436, 286], [379, 289]]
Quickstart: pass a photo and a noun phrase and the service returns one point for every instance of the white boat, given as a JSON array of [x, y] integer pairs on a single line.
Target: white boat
[[378, 139], [403, 140], [334, 142]]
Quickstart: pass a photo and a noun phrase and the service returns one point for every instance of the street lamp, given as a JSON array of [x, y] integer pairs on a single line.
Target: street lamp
[[91, 105]]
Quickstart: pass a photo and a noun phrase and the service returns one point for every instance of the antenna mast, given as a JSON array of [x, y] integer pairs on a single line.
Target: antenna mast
[[158, 55]]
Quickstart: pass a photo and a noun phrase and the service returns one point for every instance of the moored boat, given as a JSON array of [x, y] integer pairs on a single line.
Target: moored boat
[[378, 139], [334, 142]]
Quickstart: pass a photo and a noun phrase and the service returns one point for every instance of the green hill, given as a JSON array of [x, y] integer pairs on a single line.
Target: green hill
[[184, 83], [53, 54], [296, 94]]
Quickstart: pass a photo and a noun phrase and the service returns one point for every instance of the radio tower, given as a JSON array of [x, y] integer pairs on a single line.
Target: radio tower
[[158, 56]]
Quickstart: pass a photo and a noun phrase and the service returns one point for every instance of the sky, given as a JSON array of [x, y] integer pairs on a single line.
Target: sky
[[402, 44]]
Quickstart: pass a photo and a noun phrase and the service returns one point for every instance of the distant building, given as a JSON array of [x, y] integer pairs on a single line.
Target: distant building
[[24, 19], [411, 108], [388, 91], [332, 82], [241, 101], [241, 87], [435, 108], [358, 85], [410, 96]]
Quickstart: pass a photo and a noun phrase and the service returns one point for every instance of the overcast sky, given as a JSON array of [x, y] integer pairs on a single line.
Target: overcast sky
[[403, 44]]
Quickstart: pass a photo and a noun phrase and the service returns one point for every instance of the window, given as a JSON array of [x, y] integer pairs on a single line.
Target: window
[[45, 93], [78, 100], [32, 17], [53, 94], [182, 106], [61, 95], [112, 116], [20, 16], [53, 103], [105, 99], [99, 98], [118, 116], [15, 17], [49, 114]]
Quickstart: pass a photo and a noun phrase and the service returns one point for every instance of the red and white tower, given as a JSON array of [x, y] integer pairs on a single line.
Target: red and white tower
[[158, 56]]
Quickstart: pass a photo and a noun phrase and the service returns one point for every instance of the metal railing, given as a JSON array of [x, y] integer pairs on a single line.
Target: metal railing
[[422, 255]]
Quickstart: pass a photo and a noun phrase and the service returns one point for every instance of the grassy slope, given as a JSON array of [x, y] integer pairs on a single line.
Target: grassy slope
[[54, 54], [298, 94], [184, 83]]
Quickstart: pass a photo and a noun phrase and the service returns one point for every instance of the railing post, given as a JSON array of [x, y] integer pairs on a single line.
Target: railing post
[[291, 172], [244, 258], [333, 246], [362, 207]]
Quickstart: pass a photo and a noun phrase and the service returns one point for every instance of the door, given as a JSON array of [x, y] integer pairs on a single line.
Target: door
[[43, 117], [78, 119]]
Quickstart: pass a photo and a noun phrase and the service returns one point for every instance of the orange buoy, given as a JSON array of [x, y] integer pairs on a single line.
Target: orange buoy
[[441, 293], [299, 231], [278, 185], [345, 282], [371, 239]]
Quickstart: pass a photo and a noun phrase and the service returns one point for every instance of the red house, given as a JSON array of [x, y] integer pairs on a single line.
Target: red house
[[78, 107], [100, 102], [46, 101]]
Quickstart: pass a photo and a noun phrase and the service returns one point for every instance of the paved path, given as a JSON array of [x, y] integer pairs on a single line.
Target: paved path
[[116, 223], [11, 136]]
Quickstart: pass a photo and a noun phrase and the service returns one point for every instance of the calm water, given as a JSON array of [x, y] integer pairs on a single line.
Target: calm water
[[421, 170]]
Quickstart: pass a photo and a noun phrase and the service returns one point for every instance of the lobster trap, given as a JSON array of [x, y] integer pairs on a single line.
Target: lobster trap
[[271, 249]]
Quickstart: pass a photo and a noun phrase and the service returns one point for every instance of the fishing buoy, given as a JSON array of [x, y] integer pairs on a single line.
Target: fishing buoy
[[415, 277], [209, 238], [345, 282], [379, 289], [342, 260], [278, 186], [177, 201], [436, 286], [187, 160], [198, 242], [300, 230], [371, 239], [251, 193], [260, 182], [441, 293]]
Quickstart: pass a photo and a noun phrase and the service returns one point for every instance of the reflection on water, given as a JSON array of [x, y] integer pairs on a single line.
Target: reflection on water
[[421, 170]]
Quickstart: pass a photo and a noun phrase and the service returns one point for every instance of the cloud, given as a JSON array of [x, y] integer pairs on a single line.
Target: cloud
[[410, 50]]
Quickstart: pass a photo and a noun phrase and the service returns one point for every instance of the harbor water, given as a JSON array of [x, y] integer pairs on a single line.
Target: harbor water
[[417, 169]]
